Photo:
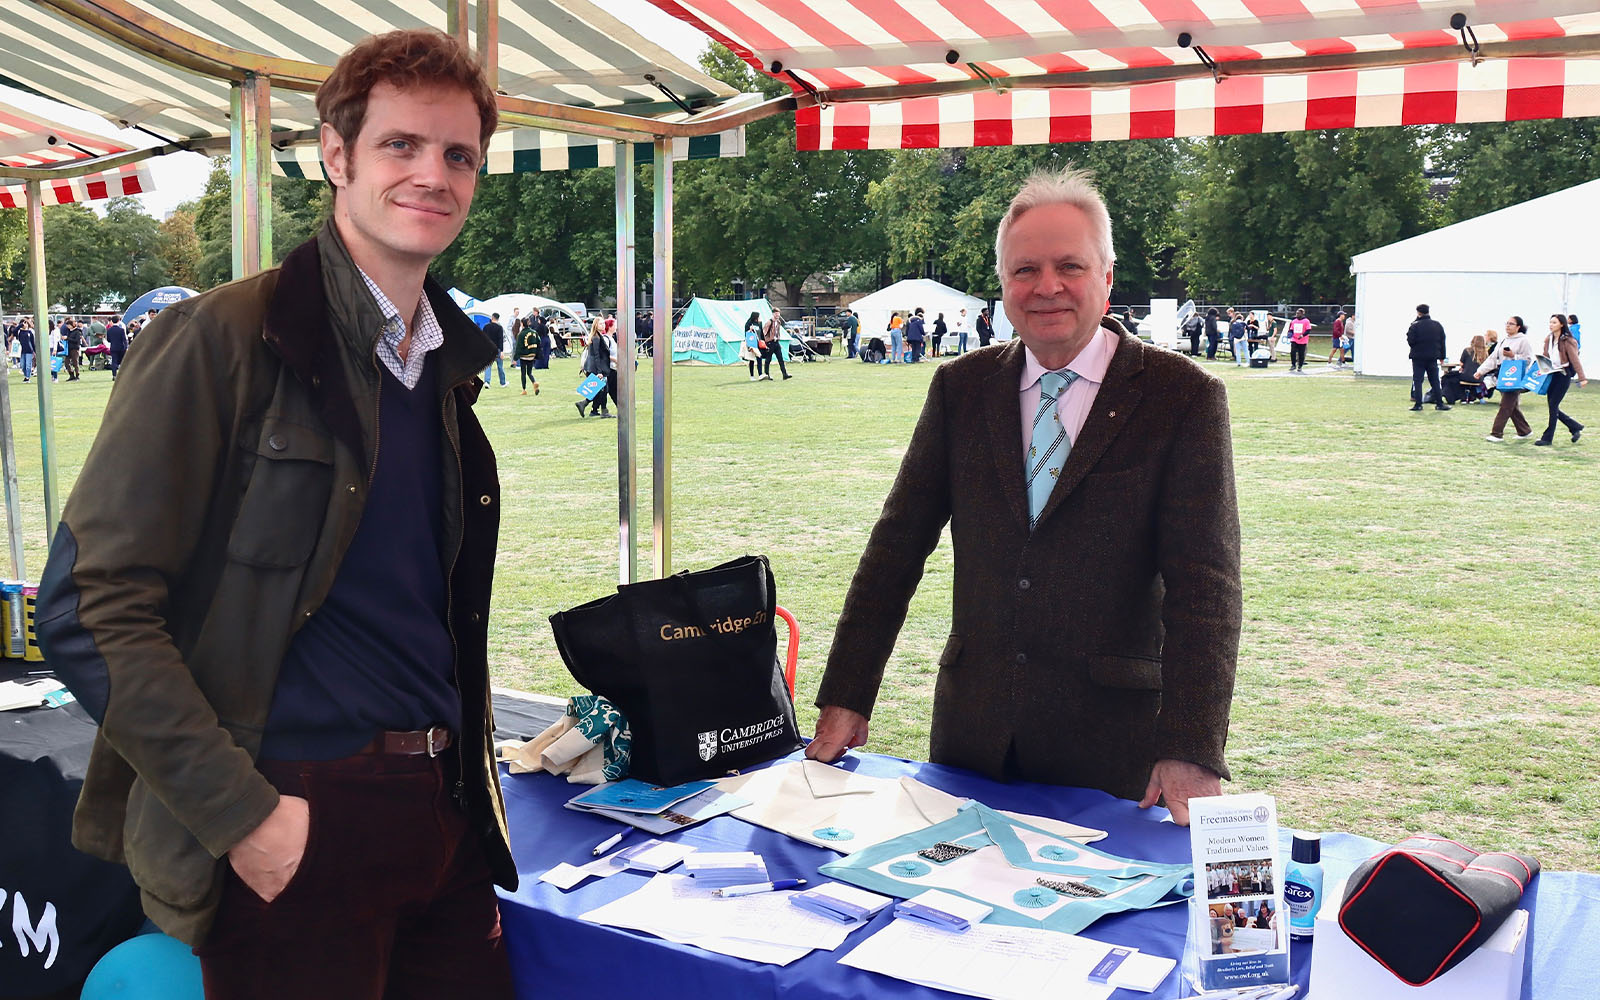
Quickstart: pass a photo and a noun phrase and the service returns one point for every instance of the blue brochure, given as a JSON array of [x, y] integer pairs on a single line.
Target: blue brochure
[[633, 795]]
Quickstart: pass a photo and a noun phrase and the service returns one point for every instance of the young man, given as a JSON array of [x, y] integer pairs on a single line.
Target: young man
[[1087, 479], [271, 584], [498, 334]]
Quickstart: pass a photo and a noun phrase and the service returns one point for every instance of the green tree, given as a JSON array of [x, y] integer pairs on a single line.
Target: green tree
[[78, 271], [131, 242], [179, 247], [13, 258], [298, 208], [776, 215], [1499, 164], [1278, 217], [213, 225]]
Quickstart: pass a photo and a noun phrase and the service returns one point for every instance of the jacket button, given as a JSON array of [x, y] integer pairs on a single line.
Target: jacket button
[[308, 612], [477, 617], [486, 500], [1024, 583], [277, 443], [316, 381], [1022, 659], [351, 487]]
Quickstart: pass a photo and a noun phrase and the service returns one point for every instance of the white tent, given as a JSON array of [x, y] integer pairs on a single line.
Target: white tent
[[529, 304], [934, 298], [1528, 260]]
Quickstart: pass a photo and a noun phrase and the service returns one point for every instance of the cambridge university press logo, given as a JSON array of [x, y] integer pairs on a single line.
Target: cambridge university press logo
[[708, 745]]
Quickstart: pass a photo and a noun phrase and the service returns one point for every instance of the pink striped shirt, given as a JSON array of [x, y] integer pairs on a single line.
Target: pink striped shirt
[[1073, 407]]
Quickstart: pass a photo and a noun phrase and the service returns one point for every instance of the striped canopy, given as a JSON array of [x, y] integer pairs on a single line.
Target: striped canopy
[[27, 140], [566, 52], [890, 74]]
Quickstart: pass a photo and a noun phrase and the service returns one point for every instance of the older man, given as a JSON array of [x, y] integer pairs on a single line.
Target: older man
[[271, 584], [1095, 532]]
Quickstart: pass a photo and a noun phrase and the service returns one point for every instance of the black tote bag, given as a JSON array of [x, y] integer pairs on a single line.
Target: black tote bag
[[692, 661]]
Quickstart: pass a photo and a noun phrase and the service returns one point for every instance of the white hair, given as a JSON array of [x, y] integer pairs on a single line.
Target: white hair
[[1070, 186]]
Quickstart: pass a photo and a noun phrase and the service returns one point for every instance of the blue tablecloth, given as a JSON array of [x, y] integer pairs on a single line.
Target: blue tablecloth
[[551, 948]]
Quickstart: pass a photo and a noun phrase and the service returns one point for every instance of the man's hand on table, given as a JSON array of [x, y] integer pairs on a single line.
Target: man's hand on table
[[838, 729], [267, 858], [1176, 782]]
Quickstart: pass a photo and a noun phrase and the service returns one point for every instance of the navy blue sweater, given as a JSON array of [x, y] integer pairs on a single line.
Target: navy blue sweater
[[377, 654]]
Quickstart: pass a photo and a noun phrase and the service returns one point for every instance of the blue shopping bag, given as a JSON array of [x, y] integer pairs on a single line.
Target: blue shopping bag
[[752, 340], [592, 386], [1513, 375]]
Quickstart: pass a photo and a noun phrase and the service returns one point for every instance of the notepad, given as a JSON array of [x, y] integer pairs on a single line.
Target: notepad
[[944, 910], [837, 901], [632, 795], [651, 856], [719, 869]]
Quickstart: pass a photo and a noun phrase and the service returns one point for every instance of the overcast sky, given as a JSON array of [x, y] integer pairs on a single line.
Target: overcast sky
[[180, 177]]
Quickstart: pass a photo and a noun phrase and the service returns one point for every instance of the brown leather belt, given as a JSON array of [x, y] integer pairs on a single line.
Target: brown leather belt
[[423, 741]]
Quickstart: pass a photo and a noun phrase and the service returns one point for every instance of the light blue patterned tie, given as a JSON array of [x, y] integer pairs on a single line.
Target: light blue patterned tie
[[1050, 447]]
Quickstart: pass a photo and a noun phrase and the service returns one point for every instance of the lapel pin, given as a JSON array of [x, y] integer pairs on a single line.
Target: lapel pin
[[1112, 413]]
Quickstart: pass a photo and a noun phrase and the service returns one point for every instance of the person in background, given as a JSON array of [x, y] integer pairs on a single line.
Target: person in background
[[1238, 337], [849, 329], [1336, 345], [897, 344], [985, 327], [1213, 333], [529, 341], [1561, 347], [1572, 327], [1299, 337], [916, 334], [1426, 339], [940, 330], [751, 352], [961, 332], [116, 344], [1515, 345], [772, 346], [498, 334], [73, 333], [541, 331], [1455, 381], [30, 348], [597, 361]]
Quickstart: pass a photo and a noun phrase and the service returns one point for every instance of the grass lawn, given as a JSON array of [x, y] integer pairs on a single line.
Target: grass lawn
[[1419, 650]]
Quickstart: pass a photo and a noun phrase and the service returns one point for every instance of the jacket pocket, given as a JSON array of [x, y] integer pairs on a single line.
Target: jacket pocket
[[1136, 673], [286, 500], [164, 858]]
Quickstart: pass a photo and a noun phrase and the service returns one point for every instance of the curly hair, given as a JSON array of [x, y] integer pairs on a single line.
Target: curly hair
[[417, 57]]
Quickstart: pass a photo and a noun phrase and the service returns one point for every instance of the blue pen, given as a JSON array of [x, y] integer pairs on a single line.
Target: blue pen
[[748, 890]]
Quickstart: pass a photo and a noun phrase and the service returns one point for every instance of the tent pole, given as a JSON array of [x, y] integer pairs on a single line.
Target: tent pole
[[661, 363], [250, 127], [489, 41], [41, 356], [8, 465], [456, 20], [627, 460]]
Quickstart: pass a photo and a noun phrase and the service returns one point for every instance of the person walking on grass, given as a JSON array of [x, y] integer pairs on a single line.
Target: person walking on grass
[[897, 344], [750, 352], [597, 361], [529, 341], [1561, 347], [1299, 338], [1513, 346], [772, 347], [961, 332], [498, 333], [1426, 338], [1238, 337]]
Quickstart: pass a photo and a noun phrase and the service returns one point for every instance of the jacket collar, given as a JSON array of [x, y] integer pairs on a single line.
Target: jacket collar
[[1113, 407]]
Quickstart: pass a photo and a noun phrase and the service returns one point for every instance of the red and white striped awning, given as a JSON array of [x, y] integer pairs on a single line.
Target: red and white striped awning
[[27, 140], [129, 180], [890, 74]]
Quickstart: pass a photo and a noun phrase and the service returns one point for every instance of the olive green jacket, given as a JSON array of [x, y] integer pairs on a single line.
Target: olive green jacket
[[208, 524]]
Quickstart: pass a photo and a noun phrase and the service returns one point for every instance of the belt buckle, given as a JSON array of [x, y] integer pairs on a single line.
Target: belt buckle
[[431, 751]]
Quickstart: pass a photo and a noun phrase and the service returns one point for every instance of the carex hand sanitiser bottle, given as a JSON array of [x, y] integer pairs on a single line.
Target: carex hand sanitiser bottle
[[1302, 884]]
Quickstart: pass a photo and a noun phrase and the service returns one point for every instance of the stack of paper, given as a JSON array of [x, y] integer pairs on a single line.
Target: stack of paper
[[717, 869], [944, 910], [1004, 963], [651, 856], [762, 927], [843, 903], [656, 809]]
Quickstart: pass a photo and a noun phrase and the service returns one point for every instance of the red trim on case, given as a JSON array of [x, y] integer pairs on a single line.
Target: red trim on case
[[1406, 856]]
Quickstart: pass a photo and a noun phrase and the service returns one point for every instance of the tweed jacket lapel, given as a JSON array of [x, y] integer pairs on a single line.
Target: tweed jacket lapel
[[1113, 409], [1004, 420]]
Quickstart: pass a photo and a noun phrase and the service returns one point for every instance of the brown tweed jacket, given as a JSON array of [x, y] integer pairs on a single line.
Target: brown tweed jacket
[[1104, 640]]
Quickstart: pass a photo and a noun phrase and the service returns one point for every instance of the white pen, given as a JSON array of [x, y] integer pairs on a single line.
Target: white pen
[[608, 843], [748, 890]]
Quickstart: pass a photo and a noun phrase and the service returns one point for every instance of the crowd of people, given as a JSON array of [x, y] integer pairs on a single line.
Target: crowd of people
[[70, 343], [1251, 334], [910, 336], [1484, 368]]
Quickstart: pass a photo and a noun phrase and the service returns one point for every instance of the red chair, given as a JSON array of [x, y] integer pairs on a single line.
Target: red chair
[[794, 649]]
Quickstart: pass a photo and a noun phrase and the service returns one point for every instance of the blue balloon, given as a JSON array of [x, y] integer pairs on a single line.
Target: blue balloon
[[147, 967]]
